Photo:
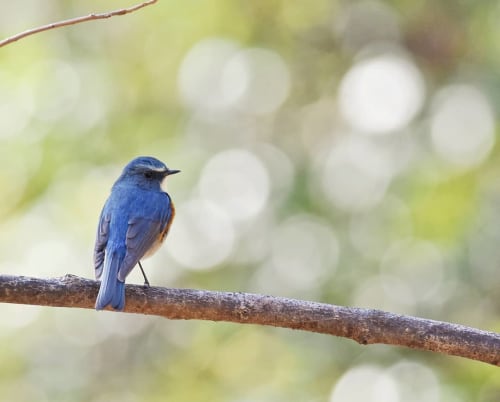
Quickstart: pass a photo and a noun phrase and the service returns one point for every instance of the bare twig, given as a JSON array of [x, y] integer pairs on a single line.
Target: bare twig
[[73, 21], [362, 325]]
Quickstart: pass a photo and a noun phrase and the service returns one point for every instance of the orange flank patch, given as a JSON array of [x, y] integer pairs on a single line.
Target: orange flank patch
[[169, 223]]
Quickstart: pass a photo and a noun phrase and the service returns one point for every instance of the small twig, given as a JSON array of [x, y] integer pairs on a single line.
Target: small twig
[[365, 326], [73, 21]]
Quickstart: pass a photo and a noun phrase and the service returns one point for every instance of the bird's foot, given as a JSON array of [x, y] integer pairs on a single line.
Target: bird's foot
[[146, 282]]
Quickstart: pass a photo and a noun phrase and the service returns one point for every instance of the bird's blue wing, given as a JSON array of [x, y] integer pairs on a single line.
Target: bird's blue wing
[[100, 242], [143, 233]]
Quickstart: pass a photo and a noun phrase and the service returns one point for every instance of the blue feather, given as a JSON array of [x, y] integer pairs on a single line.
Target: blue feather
[[112, 291]]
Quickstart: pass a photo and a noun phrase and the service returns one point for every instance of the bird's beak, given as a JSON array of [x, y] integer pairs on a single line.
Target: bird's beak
[[172, 171]]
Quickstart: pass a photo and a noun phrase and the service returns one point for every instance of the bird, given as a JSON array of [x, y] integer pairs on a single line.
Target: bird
[[133, 223]]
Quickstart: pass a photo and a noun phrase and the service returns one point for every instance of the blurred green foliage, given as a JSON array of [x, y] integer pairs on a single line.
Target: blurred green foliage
[[336, 151]]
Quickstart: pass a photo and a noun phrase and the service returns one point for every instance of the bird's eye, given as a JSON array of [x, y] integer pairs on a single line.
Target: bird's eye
[[148, 175]]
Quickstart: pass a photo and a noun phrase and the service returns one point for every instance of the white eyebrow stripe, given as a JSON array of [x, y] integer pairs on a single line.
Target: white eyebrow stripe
[[154, 169]]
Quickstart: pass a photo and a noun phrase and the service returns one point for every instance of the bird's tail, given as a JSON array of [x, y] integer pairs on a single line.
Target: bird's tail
[[112, 290]]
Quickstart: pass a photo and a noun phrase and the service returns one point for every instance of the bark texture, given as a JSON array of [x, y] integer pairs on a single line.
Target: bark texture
[[365, 326]]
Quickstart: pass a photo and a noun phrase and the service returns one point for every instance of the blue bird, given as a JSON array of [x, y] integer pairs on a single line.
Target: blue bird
[[133, 223]]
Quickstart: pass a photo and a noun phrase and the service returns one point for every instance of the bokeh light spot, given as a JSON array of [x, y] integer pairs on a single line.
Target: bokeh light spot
[[303, 251], [216, 75], [416, 382], [462, 125], [201, 75], [365, 384], [381, 94], [298, 255], [280, 169], [237, 181], [203, 235], [356, 175], [257, 80]]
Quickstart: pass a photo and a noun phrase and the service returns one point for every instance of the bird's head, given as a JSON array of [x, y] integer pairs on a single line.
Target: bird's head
[[146, 172]]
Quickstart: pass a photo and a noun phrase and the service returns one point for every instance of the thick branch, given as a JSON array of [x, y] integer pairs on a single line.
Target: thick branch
[[77, 20], [365, 326]]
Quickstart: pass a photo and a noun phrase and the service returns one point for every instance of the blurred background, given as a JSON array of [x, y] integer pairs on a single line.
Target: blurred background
[[337, 151]]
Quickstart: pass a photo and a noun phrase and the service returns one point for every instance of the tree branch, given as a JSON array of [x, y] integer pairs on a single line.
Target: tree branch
[[73, 21], [365, 326]]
